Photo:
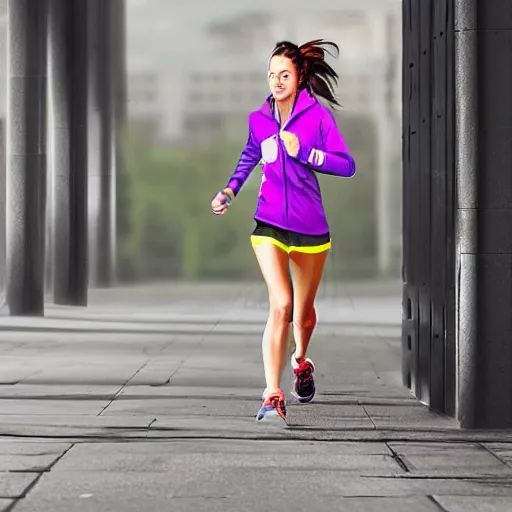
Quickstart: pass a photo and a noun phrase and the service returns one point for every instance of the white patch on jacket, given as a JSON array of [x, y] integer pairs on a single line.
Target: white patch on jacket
[[269, 149]]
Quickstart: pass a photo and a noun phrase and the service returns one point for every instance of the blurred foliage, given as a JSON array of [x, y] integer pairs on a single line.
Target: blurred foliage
[[170, 231]]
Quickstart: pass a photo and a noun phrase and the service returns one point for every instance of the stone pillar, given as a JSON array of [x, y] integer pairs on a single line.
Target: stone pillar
[[102, 143], [68, 150], [483, 50], [26, 156]]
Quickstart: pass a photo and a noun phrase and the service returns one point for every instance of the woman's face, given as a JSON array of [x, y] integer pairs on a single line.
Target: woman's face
[[282, 77]]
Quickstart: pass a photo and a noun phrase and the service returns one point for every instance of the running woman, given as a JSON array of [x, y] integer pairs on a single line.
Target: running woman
[[295, 137]]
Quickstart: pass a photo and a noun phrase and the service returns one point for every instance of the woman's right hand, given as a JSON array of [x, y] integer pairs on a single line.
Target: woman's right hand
[[221, 202]]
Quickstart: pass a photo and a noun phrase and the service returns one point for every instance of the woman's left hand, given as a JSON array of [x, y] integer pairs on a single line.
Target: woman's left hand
[[291, 143]]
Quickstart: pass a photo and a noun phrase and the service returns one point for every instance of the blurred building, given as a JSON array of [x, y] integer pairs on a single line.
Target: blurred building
[[202, 67]]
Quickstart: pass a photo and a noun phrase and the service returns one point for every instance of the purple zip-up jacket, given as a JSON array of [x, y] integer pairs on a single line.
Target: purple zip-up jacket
[[290, 196]]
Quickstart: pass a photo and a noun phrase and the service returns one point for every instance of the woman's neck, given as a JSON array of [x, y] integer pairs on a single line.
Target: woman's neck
[[285, 109]]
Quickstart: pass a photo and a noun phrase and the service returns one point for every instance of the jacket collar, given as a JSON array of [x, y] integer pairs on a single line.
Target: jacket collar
[[303, 102]]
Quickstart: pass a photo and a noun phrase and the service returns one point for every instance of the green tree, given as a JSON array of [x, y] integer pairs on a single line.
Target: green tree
[[173, 233]]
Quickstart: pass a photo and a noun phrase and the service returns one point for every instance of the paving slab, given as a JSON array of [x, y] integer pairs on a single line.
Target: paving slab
[[474, 503], [502, 451], [14, 485], [5, 504], [408, 417], [343, 417], [29, 457], [60, 392], [184, 406], [51, 407], [92, 503], [78, 428], [151, 491], [449, 459], [170, 458], [116, 372], [159, 403], [71, 427], [25, 463], [170, 391], [30, 447], [37, 342], [233, 447]]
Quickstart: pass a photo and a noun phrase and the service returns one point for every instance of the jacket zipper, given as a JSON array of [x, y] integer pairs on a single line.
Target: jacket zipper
[[283, 161]]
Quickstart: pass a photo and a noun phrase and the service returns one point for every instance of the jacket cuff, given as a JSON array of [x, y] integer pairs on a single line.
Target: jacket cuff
[[229, 192], [232, 188], [303, 154]]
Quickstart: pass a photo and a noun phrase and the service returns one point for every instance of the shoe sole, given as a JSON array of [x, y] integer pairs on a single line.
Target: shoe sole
[[304, 400], [272, 418]]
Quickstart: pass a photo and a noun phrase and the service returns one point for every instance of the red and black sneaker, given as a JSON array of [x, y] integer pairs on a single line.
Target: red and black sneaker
[[303, 384]]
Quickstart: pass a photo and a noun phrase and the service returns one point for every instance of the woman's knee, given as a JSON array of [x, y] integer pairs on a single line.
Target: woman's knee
[[281, 311]]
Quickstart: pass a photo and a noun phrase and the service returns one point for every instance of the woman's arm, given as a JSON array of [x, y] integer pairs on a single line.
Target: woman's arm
[[333, 156], [250, 157]]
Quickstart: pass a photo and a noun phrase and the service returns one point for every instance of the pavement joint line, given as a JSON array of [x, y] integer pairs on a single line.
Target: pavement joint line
[[63, 398], [398, 459], [369, 417], [372, 362], [34, 482], [123, 386], [495, 455], [26, 471], [165, 346], [437, 504], [182, 362], [282, 437], [466, 478], [128, 330]]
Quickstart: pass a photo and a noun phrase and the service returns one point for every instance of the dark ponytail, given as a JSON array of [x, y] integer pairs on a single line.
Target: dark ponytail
[[315, 74]]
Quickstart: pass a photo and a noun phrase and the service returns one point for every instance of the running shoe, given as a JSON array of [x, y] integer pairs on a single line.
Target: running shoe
[[303, 383], [274, 406]]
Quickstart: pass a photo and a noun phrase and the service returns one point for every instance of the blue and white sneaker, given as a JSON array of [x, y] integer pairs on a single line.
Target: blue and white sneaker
[[274, 406]]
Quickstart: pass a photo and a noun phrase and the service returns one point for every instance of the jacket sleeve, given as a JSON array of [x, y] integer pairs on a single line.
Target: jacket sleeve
[[333, 156], [250, 157]]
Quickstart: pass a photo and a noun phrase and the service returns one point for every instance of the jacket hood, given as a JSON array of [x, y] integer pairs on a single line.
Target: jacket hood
[[303, 102]]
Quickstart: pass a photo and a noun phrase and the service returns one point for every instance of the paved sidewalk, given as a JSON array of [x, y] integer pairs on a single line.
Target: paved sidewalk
[[146, 401]]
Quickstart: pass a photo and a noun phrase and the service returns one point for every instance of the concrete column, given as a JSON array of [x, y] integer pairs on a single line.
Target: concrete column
[[2, 214], [428, 337], [26, 155], [3, 97], [483, 52], [102, 144], [68, 150], [121, 104]]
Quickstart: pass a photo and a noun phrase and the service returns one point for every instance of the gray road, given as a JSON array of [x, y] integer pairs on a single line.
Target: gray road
[[146, 401]]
